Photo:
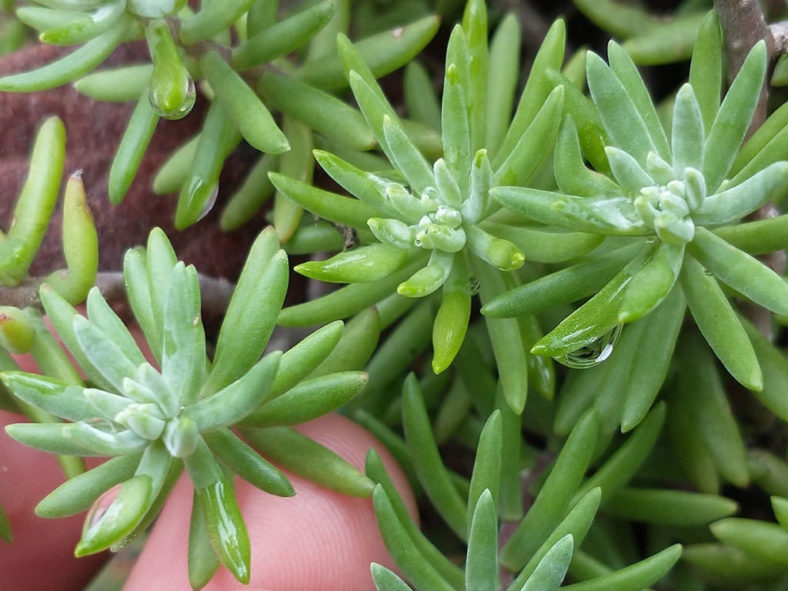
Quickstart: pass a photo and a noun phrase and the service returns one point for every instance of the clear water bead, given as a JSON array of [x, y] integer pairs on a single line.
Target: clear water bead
[[592, 354]]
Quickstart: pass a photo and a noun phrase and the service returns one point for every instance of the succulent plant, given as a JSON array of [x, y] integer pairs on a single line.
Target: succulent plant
[[153, 417], [674, 204], [424, 226], [637, 241], [223, 51]]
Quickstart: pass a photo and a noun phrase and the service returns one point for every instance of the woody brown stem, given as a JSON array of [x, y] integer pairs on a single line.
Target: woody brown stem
[[215, 292], [743, 25]]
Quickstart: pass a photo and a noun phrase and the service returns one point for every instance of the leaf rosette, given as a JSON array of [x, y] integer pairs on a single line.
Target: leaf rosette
[[426, 223], [674, 203], [154, 417]]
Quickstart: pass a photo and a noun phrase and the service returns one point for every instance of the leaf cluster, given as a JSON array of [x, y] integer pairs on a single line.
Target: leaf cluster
[[548, 300]]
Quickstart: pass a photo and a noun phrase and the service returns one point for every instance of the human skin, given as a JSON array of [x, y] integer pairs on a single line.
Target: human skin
[[316, 540], [41, 556]]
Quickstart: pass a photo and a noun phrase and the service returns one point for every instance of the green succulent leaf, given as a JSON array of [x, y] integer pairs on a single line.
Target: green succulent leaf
[[759, 538], [576, 524], [105, 526], [415, 566], [394, 508], [652, 283], [722, 561], [199, 186], [509, 348], [481, 565], [571, 174], [35, 203], [486, 474], [77, 494], [598, 215], [450, 326], [537, 88], [251, 314], [247, 111], [635, 576], [740, 271], [183, 351], [624, 463], [303, 456], [105, 358], [561, 287], [627, 171], [202, 559], [77, 439], [317, 109], [551, 569], [733, 204], [215, 495], [429, 466], [624, 68], [622, 119], [283, 37], [688, 133], [71, 66], [52, 395], [420, 96], [210, 20], [309, 399], [552, 502], [429, 278], [364, 263], [774, 368], [345, 301], [455, 127], [670, 507], [667, 41], [330, 206], [171, 90], [719, 325], [235, 401], [503, 71], [247, 463], [733, 117], [699, 394], [384, 52], [80, 244], [523, 160], [589, 323]]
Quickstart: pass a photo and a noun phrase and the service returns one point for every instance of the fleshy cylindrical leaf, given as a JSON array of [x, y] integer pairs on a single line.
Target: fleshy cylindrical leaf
[[105, 525]]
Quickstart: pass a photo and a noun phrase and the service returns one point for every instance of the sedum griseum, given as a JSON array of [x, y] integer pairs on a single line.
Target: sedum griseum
[[670, 206], [426, 226], [153, 418], [237, 55]]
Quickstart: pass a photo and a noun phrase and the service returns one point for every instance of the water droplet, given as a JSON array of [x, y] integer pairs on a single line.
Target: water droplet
[[592, 354], [210, 201], [100, 506], [173, 103], [196, 200]]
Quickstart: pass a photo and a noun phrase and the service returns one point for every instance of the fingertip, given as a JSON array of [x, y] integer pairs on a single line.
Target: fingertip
[[41, 555], [318, 539]]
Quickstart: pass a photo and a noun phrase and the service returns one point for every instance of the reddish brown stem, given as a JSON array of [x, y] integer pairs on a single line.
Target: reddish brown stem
[[743, 25]]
